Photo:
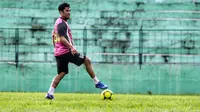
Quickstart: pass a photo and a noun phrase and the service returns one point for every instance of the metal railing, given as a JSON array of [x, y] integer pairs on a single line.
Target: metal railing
[[133, 46]]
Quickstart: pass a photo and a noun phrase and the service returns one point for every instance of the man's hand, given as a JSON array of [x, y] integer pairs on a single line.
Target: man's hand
[[74, 51]]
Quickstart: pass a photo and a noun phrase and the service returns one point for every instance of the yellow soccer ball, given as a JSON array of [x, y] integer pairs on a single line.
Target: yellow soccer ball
[[107, 94]]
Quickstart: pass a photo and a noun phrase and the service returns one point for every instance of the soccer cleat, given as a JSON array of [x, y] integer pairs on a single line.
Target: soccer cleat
[[101, 85], [50, 97]]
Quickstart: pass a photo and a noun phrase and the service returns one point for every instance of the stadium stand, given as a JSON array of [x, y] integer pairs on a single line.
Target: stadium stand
[[117, 31]]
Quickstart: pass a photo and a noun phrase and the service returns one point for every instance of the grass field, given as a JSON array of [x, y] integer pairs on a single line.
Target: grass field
[[69, 102]]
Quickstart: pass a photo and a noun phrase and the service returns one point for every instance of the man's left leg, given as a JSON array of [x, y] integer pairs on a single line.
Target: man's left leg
[[56, 80]]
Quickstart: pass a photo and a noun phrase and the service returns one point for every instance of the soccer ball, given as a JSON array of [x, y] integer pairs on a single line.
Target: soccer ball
[[106, 94]]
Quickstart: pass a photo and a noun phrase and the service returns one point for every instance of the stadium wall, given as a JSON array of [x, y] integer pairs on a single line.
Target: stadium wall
[[111, 14], [150, 79]]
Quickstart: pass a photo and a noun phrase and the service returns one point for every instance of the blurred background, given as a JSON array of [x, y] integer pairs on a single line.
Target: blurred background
[[136, 46]]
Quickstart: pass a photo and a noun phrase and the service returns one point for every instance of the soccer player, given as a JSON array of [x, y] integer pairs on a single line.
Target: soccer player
[[65, 52]]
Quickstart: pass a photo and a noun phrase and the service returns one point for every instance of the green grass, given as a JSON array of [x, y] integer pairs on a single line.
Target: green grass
[[75, 102]]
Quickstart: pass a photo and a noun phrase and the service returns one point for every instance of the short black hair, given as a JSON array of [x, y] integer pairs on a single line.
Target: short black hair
[[62, 6]]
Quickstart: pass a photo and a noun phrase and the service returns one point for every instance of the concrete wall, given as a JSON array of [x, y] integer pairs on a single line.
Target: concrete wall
[[150, 79], [37, 67]]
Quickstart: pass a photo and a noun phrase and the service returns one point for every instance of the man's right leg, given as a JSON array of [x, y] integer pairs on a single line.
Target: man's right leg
[[56, 80], [90, 71]]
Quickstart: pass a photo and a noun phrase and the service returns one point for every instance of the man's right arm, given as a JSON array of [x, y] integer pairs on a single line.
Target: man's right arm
[[66, 43], [62, 28]]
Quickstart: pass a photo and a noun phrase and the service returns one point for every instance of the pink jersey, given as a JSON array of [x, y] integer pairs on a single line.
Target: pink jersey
[[60, 48]]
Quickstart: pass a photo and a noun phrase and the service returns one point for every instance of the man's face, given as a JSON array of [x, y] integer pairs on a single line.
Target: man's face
[[65, 13]]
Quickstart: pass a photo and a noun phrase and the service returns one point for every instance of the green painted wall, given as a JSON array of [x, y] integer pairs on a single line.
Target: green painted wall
[[107, 14], [150, 79], [102, 14]]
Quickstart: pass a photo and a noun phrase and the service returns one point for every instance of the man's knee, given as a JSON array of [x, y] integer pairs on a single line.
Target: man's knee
[[87, 61], [61, 75]]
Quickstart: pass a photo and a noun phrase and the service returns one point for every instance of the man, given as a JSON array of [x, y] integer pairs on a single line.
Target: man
[[65, 52]]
